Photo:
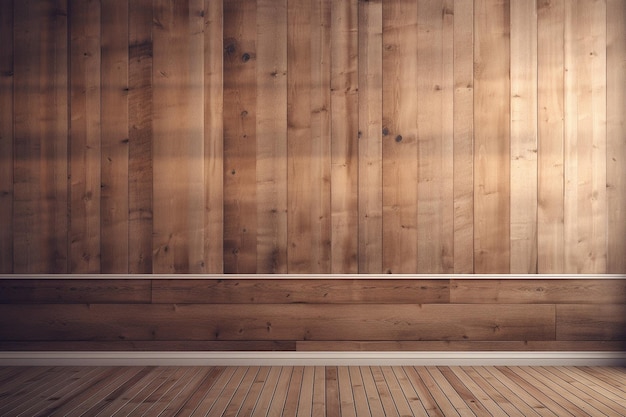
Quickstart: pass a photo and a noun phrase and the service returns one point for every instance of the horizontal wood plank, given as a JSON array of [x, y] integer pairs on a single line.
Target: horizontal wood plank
[[591, 322], [75, 291], [276, 322], [330, 291], [560, 291]]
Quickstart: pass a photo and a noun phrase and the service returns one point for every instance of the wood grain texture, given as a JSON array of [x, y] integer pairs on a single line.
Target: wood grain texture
[[370, 209], [75, 291], [344, 133], [140, 186], [240, 155], [550, 171], [524, 137], [40, 220], [213, 132], [264, 291], [491, 136], [115, 137], [591, 322], [178, 138], [564, 291], [279, 322], [271, 157], [85, 138], [6, 137], [616, 132], [400, 167], [463, 151]]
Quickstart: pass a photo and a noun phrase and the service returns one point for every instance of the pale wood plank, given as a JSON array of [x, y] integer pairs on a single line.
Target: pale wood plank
[[370, 40], [372, 393], [463, 136], [140, 175], [435, 232], [40, 224], [550, 91], [240, 136], [271, 139], [506, 402], [178, 196], [417, 408], [269, 390], [607, 377], [524, 137], [216, 391], [451, 394], [6, 136], [85, 137], [293, 392], [616, 132], [593, 387], [513, 390], [214, 136], [439, 401], [346, 394], [464, 391], [472, 382], [248, 404], [319, 392], [384, 392], [344, 86], [114, 202], [358, 392], [492, 137], [280, 394], [305, 400], [400, 147], [234, 406], [400, 401]]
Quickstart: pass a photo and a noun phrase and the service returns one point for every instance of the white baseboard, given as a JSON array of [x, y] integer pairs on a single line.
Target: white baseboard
[[312, 358]]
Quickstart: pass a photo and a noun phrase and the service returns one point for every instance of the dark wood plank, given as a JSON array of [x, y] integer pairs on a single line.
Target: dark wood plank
[[240, 205], [140, 136], [261, 291], [151, 345], [40, 221], [85, 137], [74, 291], [6, 137], [561, 291]]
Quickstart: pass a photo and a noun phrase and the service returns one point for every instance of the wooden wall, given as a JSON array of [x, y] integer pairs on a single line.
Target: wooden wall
[[299, 136], [314, 314]]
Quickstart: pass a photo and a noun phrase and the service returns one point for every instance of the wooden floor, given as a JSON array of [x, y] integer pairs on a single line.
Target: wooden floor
[[313, 391]]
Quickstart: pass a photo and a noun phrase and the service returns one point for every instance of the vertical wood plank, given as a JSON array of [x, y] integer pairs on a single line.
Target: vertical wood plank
[[115, 138], [271, 157], [140, 136], [616, 132], [400, 137], [240, 205], [41, 137], [345, 126], [6, 137], [178, 137], [524, 137], [463, 136], [321, 134], [214, 132], [370, 138], [434, 111], [492, 136], [550, 90], [85, 139]]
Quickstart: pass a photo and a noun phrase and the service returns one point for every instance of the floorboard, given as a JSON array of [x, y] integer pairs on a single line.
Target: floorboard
[[340, 391]]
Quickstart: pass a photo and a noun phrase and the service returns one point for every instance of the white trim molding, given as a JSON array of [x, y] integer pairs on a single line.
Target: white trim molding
[[569, 358]]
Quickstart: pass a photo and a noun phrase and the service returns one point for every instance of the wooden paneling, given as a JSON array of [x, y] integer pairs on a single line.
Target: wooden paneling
[[6, 137], [315, 314], [400, 136]]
